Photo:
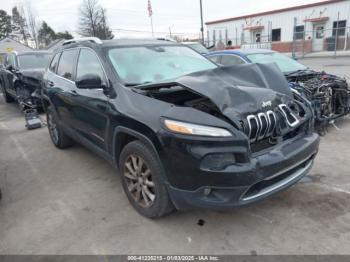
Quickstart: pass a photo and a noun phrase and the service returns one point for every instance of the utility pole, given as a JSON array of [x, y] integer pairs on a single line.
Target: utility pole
[[202, 24]]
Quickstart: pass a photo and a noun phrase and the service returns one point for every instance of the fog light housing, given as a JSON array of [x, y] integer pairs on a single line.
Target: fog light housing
[[217, 161]]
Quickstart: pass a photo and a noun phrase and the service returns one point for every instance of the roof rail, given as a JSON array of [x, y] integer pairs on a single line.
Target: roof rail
[[95, 40]]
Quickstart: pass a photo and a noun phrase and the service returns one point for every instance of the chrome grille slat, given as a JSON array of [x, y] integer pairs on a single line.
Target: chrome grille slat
[[270, 114], [285, 110], [263, 128], [263, 124], [250, 118]]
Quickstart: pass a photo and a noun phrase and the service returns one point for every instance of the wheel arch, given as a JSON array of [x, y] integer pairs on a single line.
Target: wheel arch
[[124, 135]]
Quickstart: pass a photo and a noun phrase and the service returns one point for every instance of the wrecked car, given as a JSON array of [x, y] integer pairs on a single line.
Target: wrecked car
[[20, 78], [329, 94], [183, 132]]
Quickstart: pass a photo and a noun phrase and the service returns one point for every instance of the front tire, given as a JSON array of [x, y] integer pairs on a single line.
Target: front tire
[[141, 174], [57, 135]]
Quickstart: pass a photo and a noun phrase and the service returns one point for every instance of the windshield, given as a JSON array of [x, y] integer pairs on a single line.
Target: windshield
[[33, 61], [285, 63], [199, 48], [148, 64]]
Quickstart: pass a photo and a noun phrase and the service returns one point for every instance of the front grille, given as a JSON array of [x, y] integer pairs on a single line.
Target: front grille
[[263, 125]]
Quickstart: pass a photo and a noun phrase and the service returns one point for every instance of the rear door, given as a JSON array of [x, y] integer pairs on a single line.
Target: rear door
[[90, 105], [61, 86]]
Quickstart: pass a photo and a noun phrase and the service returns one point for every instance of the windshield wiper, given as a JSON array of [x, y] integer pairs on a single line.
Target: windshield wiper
[[136, 84]]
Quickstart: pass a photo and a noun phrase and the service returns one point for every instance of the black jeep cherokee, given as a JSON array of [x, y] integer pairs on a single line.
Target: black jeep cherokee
[[183, 132]]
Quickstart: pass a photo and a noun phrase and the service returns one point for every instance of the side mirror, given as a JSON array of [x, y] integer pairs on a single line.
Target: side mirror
[[9, 67], [89, 81]]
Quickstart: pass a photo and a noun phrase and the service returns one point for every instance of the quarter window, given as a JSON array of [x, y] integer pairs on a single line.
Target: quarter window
[[54, 62], [89, 64], [230, 60], [11, 60], [216, 59], [66, 64]]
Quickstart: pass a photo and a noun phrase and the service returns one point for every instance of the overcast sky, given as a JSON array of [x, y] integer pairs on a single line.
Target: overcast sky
[[182, 16]]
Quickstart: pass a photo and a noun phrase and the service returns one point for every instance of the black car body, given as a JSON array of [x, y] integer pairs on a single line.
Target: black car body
[[328, 94], [212, 137], [20, 78]]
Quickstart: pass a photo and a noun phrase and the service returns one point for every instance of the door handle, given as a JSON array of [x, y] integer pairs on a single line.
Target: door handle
[[74, 93], [50, 83]]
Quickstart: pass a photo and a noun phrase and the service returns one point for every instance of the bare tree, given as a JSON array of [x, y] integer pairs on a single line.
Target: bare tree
[[90, 16], [93, 20], [32, 23], [19, 25], [103, 31]]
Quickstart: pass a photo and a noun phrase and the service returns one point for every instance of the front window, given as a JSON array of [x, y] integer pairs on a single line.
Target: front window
[[31, 61], [339, 26], [285, 63], [149, 64], [299, 32]]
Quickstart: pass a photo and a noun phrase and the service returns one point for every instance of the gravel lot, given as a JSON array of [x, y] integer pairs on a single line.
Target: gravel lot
[[71, 202]]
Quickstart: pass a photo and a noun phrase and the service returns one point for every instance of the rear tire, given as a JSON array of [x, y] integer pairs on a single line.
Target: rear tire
[[8, 98], [57, 135], [141, 174]]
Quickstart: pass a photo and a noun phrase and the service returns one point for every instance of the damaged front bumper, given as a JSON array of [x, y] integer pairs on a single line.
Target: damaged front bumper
[[194, 184]]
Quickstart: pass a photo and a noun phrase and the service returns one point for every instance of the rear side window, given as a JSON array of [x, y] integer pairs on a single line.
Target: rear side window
[[216, 59], [11, 60], [54, 63], [89, 63], [66, 64], [230, 60]]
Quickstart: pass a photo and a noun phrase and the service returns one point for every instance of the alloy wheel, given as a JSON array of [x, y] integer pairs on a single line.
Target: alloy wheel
[[139, 182], [52, 126]]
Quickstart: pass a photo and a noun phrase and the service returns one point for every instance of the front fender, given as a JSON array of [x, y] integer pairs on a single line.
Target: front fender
[[152, 142]]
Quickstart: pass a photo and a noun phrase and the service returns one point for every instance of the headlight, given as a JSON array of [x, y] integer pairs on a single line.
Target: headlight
[[198, 130]]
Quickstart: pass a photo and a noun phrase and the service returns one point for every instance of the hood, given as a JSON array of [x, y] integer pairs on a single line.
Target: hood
[[238, 91], [36, 73], [242, 88]]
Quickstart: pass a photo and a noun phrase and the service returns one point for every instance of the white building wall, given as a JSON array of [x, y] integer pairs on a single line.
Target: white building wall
[[283, 20], [8, 45]]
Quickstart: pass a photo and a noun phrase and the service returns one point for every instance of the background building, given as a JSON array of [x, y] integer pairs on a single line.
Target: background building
[[8, 45], [320, 26]]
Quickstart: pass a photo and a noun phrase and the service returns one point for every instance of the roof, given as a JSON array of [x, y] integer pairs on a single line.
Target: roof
[[137, 41], [33, 52], [122, 43], [243, 52], [190, 43], [275, 11], [55, 44]]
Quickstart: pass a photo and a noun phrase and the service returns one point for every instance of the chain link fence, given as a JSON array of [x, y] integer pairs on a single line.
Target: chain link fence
[[321, 40], [333, 40]]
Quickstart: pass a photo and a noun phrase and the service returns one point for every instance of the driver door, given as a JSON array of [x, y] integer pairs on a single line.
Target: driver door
[[90, 105]]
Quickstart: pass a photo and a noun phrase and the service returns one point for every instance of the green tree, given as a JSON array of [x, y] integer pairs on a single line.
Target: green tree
[[45, 35], [19, 26], [63, 35], [5, 24]]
